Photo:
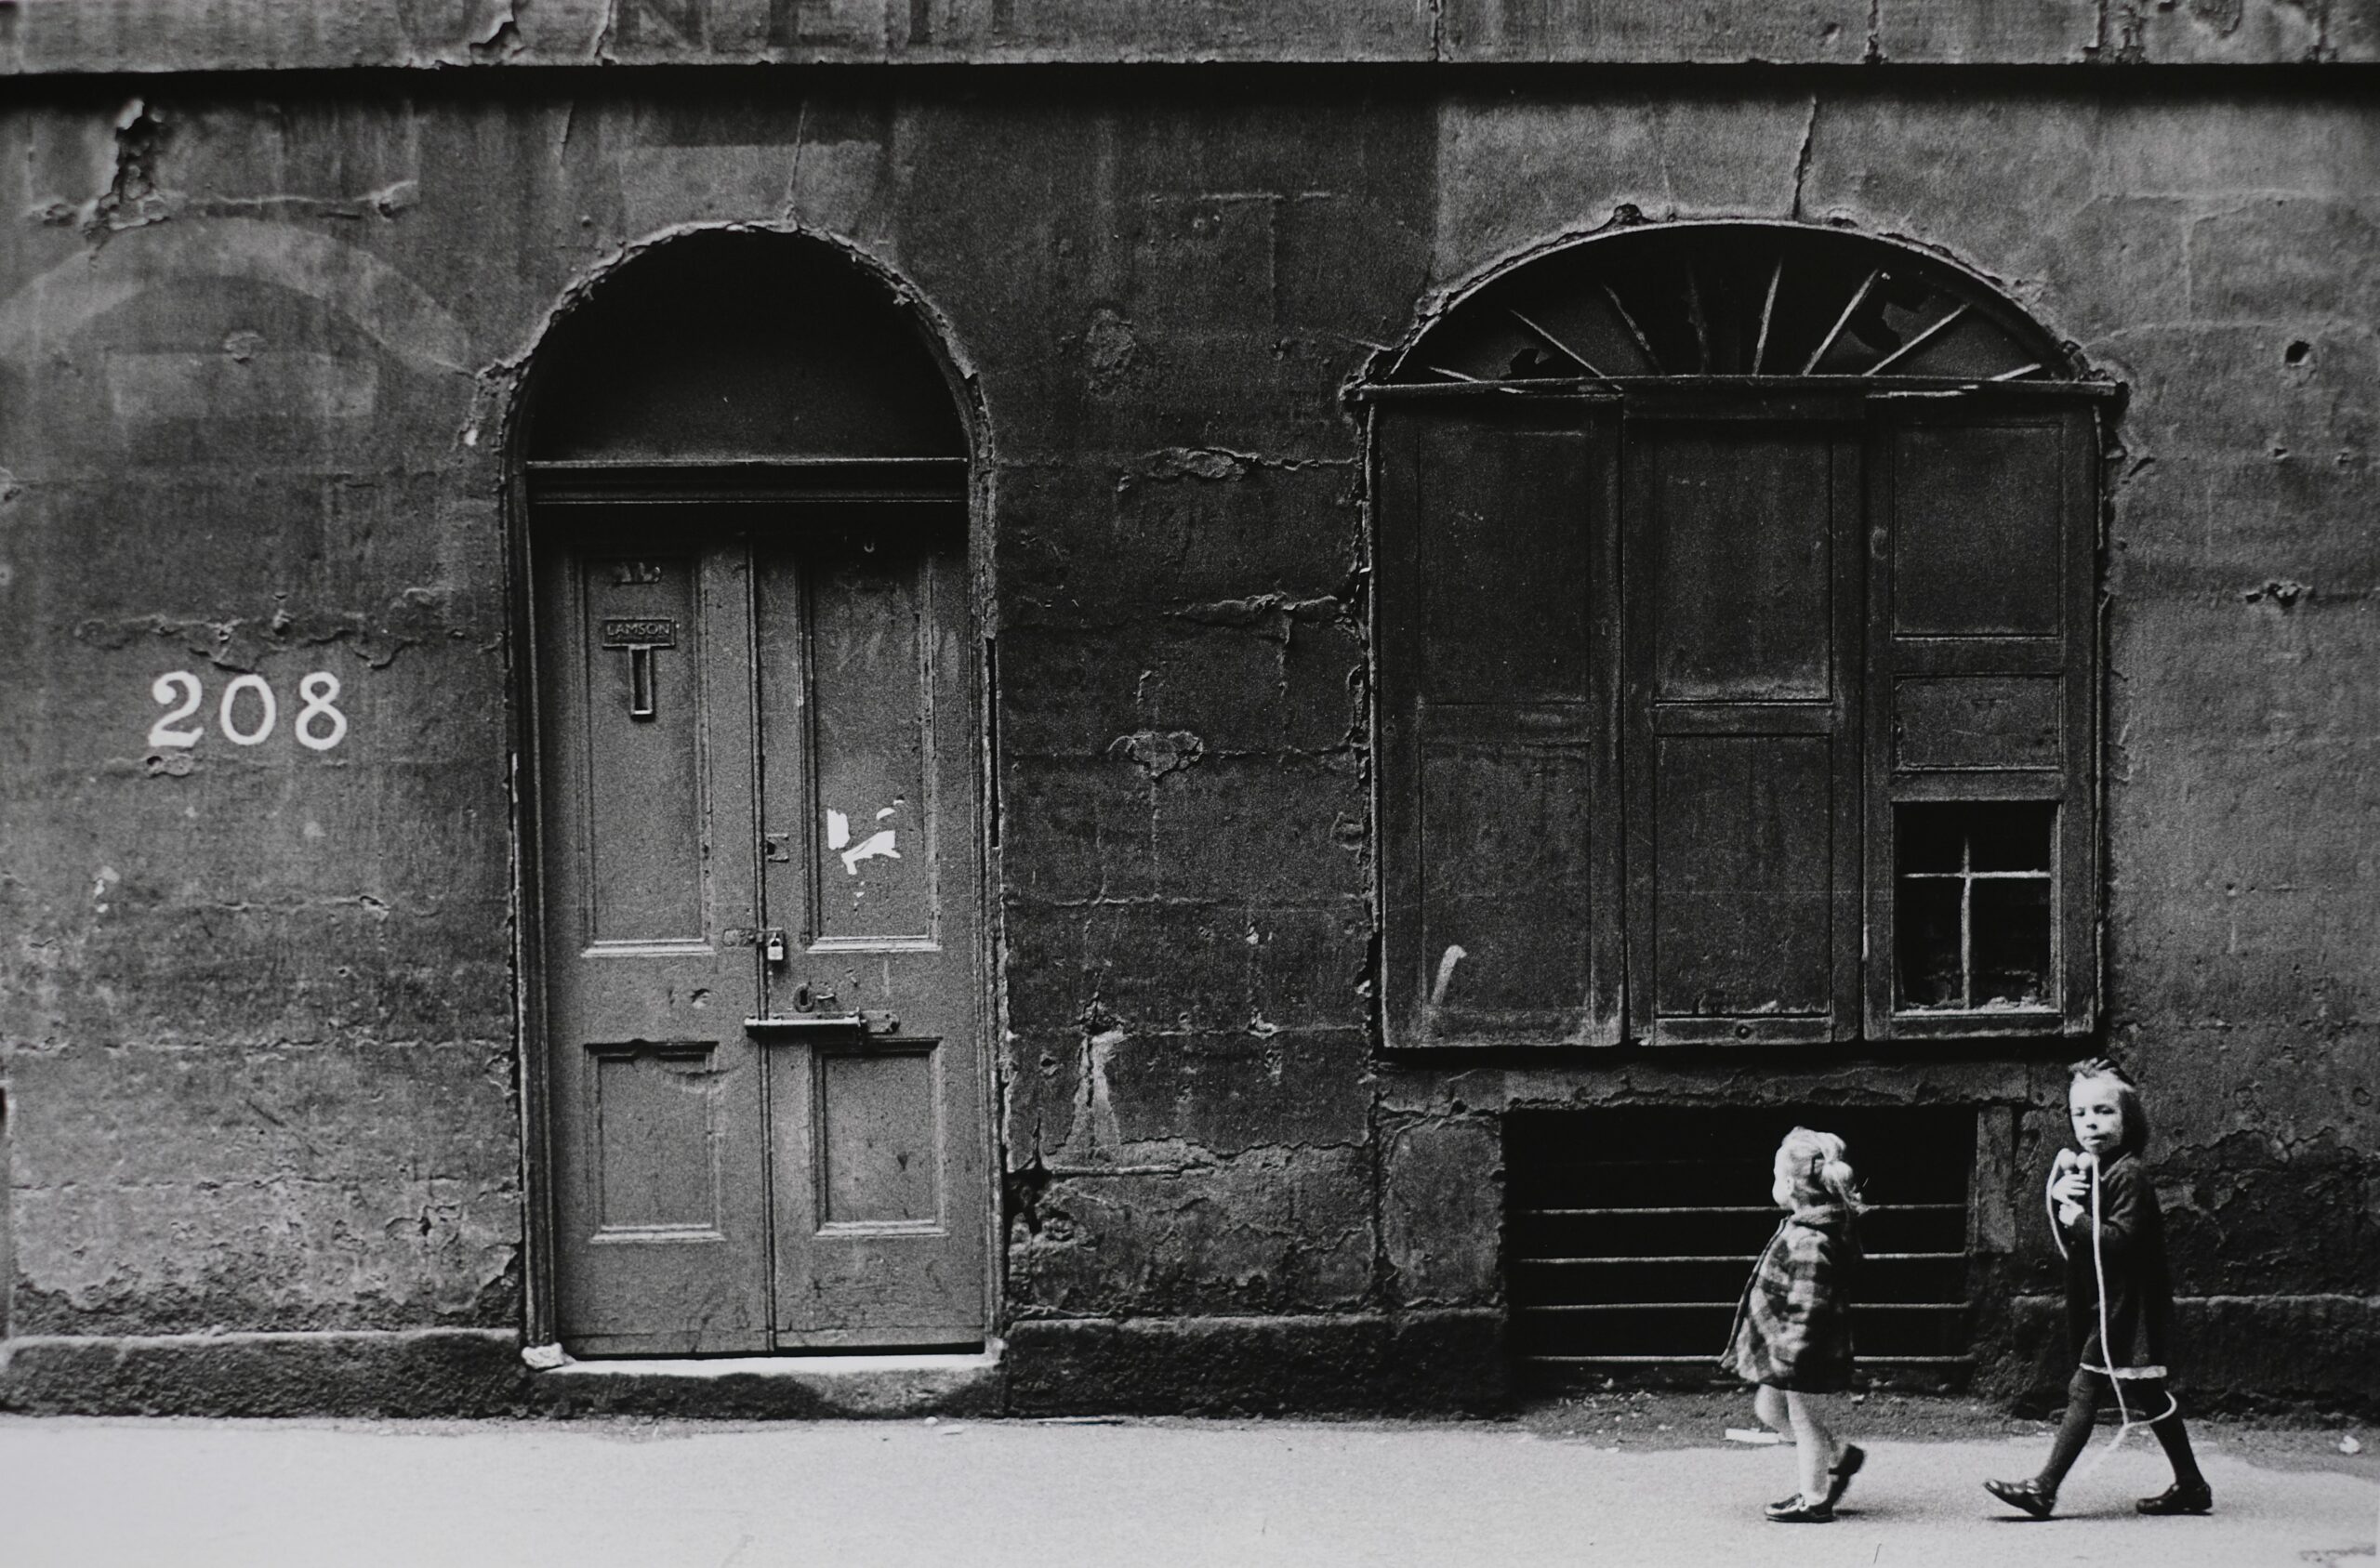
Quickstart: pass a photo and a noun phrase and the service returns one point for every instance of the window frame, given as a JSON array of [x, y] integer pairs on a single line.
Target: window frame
[[2079, 663], [1869, 415]]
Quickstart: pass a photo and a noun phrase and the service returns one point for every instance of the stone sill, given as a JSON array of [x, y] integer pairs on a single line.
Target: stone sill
[[714, 1367]]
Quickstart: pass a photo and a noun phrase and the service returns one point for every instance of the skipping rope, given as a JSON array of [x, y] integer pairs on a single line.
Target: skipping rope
[[2068, 1160]]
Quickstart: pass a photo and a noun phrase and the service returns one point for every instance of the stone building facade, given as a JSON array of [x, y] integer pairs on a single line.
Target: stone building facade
[[1002, 417]]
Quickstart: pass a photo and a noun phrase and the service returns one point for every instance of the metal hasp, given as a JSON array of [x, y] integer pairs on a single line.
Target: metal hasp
[[816, 1026]]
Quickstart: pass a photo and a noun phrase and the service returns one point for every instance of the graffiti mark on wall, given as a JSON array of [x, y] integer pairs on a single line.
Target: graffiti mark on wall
[[874, 845], [877, 845]]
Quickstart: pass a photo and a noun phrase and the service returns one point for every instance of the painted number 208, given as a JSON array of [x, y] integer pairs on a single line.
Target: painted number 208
[[248, 711]]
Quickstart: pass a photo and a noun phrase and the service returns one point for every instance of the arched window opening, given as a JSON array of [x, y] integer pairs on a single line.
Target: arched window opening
[[1737, 656]]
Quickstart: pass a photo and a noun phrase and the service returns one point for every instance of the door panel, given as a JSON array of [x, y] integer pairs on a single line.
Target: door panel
[[871, 708], [877, 1138], [647, 869], [1740, 574], [1977, 525], [761, 880], [1498, 799], [1507, 799], [1742, 754], [640, 645], [656, 1115], [1743, 921], [869, 787]]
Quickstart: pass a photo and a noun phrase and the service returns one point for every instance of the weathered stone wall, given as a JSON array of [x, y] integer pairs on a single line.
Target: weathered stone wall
[[170, 35], [256, 344]]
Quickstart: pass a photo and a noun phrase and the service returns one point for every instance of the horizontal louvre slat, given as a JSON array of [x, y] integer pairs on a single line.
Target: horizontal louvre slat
[[1630, 1232]]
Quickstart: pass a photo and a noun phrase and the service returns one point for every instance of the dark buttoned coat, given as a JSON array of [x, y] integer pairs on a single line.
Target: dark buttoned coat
[[2130, 1252]]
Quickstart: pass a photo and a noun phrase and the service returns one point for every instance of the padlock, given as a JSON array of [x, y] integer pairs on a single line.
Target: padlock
[[774, 949]]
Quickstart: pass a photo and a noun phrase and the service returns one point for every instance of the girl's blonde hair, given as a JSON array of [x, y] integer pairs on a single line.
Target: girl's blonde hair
[[1815, 1160]]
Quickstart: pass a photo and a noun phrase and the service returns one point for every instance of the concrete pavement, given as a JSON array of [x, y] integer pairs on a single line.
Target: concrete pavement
[[79, 1492]]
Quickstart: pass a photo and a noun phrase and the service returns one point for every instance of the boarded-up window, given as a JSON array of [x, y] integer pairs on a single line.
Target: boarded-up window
[[1735, 716]]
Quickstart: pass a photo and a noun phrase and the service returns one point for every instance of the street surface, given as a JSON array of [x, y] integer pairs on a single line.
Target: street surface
[[80, 1492]]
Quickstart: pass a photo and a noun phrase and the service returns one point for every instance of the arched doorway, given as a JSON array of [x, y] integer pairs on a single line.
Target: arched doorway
[[757, 968]]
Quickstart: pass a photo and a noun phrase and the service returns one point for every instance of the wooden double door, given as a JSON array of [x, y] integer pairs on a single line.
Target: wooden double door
[[759, 869]]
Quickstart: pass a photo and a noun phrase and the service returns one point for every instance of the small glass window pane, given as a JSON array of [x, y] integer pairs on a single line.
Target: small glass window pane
[[2011, 954], [2012, 837], [1928, 839], [1972, 920], [1931, 974]]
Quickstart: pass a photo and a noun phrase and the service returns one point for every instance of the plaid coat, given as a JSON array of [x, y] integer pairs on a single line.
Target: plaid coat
[[1793, 1327]]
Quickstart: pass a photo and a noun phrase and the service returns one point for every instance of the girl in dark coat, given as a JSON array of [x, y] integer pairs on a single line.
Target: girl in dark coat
[[2118, 1299], [1792, 1329]]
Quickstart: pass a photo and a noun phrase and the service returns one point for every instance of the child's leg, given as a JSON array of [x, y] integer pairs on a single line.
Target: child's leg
[[1768, 1408], [2148, 1398], [1813, 1440], [2082, 1397]]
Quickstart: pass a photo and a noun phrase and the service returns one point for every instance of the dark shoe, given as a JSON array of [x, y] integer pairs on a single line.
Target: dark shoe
[[1798, 1510], [2180, 1497], [2030, 1495], [1845, 1468]]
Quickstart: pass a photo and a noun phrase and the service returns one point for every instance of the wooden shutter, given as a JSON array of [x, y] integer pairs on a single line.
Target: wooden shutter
[[1498, 797], [1982, 707], [1741, 560]]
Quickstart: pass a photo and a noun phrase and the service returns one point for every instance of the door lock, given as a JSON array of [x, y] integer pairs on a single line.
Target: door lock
[[772, 945], [805, 999]]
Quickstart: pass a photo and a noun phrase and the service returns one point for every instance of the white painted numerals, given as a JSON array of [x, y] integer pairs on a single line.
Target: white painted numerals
[[248, 711], [320, 691], [167, 731], [226, 715]]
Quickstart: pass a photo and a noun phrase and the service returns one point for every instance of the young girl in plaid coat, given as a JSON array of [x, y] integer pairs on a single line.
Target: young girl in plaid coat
[[1792, 1331]]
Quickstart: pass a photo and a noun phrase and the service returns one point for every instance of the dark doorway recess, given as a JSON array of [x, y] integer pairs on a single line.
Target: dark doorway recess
[[1629, 1233], [736, 348], [758, 967]]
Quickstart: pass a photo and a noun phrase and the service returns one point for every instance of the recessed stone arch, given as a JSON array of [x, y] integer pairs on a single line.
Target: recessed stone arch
[[1731, 299], [753, 693], [736, 345]]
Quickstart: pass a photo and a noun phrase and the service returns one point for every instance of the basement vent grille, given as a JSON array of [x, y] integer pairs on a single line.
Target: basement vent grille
[[1630, 1232]]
